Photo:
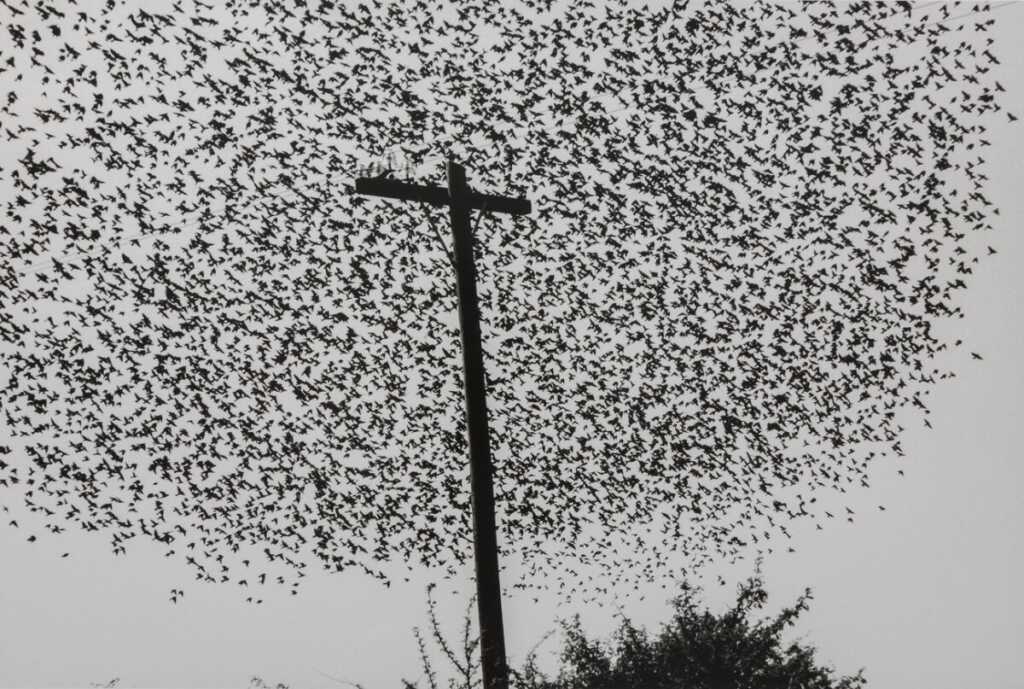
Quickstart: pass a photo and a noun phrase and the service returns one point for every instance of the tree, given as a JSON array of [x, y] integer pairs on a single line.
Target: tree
[[752, 222], [700, 650], [697, 649]]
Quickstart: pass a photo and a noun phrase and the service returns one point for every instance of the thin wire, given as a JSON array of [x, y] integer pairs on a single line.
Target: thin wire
[[483, 210], [337, 679], [444, 245]]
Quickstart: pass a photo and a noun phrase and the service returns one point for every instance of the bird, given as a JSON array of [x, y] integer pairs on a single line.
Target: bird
[[290, 350]]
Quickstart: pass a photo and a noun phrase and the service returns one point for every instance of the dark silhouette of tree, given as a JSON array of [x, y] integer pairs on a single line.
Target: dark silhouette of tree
[[697, 649], [752, 221]]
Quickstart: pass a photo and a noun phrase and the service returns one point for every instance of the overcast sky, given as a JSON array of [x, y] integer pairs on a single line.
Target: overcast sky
[[924, 594]]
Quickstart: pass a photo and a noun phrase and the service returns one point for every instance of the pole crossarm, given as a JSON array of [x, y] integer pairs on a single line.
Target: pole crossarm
[[439, 196]]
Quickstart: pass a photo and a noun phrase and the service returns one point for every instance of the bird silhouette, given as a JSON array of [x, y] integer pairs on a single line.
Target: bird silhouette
[[744, 234]]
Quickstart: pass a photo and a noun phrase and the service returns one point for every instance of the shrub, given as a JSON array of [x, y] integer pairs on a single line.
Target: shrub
[[696, 650]]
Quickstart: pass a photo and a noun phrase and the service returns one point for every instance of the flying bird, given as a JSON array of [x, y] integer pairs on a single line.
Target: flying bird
[[726, 290]]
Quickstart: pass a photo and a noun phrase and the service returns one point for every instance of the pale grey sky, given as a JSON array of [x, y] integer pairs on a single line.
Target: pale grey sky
[[924, 594]]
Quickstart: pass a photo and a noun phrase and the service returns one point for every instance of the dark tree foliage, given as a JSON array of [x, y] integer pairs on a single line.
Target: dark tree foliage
[[751, 223], [697, 649]]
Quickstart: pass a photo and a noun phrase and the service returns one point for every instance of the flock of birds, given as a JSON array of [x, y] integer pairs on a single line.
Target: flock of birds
[[751, 224]]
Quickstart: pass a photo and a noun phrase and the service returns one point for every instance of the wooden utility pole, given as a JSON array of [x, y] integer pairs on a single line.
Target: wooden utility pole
[[460, 202]]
